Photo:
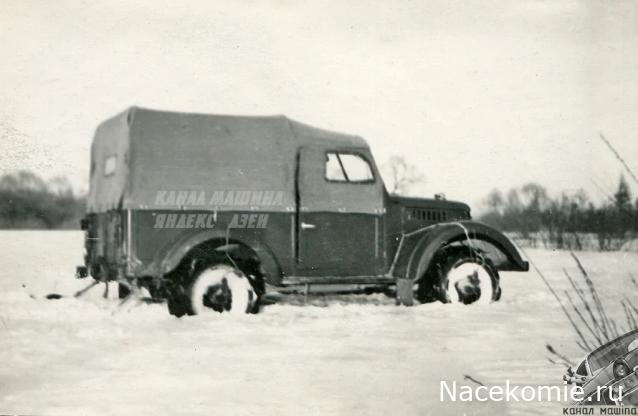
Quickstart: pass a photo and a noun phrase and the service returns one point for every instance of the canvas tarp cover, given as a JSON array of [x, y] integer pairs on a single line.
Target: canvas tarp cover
[[146, 159]]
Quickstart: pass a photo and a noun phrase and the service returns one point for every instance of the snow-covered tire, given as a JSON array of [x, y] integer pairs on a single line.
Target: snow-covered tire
[[460, 274], [222, 289]]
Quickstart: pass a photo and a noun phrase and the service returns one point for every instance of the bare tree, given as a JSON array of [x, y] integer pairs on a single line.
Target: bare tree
[[401, 176], [495, 202], [534, 197]]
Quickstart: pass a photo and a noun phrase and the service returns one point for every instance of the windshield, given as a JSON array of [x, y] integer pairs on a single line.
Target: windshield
[[609, 352]]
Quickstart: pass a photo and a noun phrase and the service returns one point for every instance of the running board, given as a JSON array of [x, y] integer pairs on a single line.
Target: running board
[[276, 292], [341, 280]]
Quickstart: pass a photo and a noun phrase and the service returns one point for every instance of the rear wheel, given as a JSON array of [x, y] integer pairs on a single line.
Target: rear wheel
[[222, 288], [218, 288], [461, 274]]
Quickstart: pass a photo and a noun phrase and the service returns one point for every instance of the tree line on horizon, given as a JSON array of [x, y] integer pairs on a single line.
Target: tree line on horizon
[[564, 221], [29, 202]]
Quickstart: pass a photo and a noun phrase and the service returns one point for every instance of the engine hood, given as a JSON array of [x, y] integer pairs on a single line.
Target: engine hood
[[419, 212], [434, 204]]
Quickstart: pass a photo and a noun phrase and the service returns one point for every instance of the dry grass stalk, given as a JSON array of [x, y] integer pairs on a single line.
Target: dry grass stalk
[[588, 316]]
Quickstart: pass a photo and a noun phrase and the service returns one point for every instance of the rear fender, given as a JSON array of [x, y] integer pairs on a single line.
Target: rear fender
[[494, 245], [171, 256]]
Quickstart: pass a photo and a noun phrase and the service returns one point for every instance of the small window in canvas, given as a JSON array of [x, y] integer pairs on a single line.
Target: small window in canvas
[[110, 165]]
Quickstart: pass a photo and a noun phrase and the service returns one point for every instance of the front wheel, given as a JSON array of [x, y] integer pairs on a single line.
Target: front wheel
[[462, 274]]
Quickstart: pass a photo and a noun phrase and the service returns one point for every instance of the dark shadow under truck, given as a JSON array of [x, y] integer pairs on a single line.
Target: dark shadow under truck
[[208, 211]]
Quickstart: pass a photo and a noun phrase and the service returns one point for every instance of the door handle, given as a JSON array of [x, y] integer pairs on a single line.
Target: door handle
[[306, 226]]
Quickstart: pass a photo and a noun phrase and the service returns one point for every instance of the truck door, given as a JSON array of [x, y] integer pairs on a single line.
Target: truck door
[[339, 213]]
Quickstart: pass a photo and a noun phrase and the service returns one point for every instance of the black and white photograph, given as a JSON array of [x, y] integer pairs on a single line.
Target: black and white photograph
[[272, 207]]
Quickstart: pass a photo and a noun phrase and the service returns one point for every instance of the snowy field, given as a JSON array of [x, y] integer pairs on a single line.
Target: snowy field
[[355, 355]]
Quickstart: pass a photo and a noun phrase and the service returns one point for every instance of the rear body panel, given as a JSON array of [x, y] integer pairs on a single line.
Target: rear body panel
[[153, 237], [105, 244]]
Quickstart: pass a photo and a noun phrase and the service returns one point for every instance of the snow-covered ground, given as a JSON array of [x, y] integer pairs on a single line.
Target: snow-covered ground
[[345, 355]]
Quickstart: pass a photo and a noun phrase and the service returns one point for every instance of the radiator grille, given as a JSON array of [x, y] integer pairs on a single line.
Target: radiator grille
[[434, 215]]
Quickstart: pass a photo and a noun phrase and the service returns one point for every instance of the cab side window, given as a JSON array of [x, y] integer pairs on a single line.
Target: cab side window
[[334, 171], [348, 167]]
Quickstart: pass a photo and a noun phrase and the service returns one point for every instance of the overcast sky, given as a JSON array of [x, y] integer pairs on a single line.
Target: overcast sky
[[477, 94]]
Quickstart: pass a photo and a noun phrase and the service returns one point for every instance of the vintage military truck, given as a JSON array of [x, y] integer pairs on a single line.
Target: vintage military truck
[[210, 212]]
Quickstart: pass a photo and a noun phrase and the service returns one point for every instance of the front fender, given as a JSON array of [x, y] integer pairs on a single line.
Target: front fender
[[492, 242]]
